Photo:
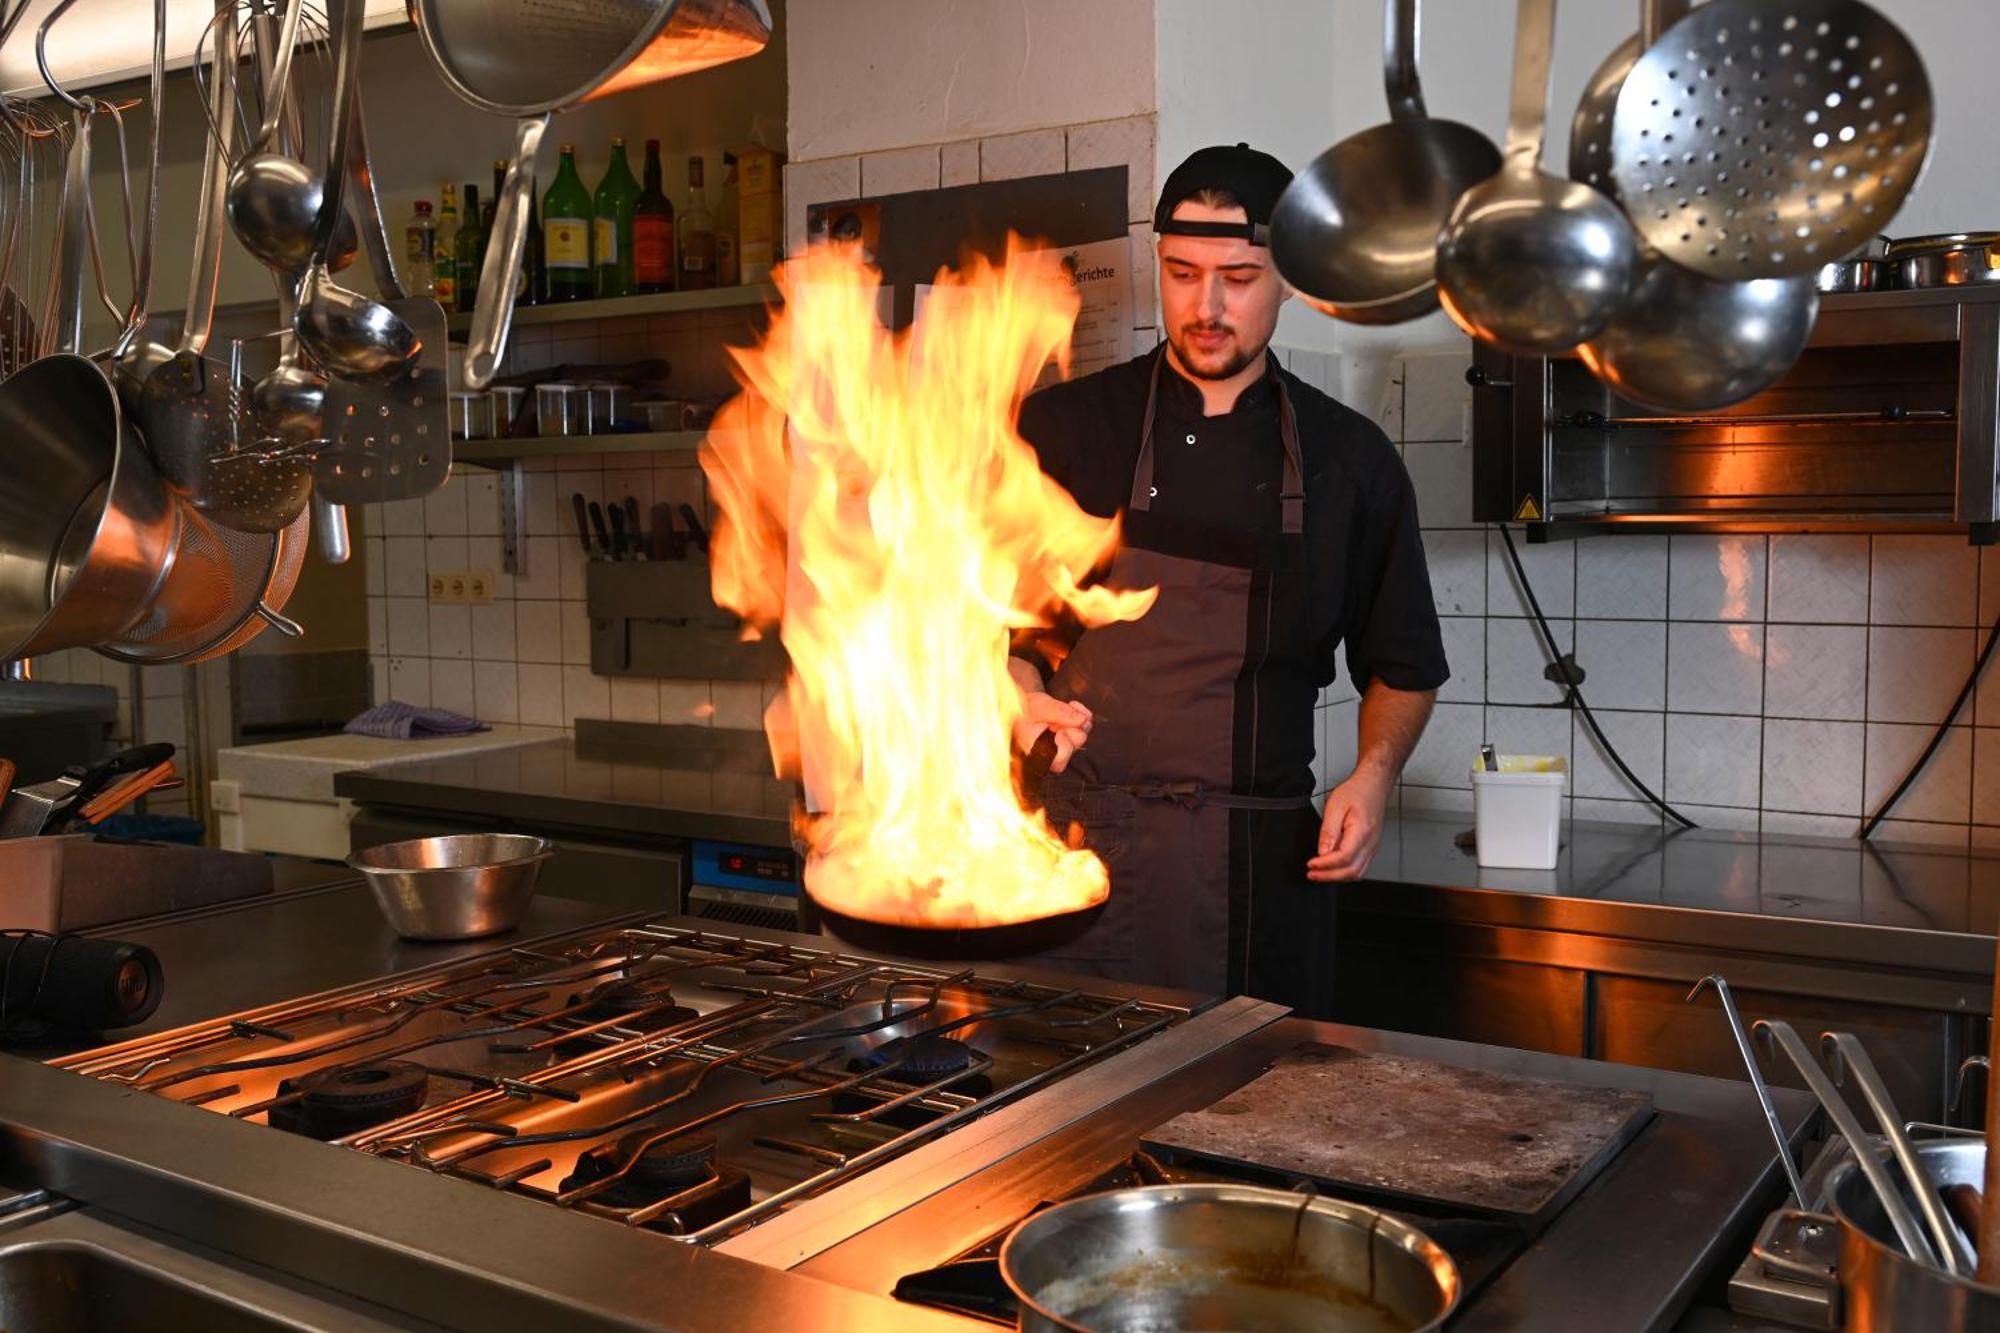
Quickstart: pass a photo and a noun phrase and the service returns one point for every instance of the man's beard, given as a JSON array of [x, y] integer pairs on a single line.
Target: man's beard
[[1234, 360]]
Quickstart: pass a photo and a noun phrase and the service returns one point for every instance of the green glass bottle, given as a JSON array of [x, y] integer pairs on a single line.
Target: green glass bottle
[[532, 285], [611, 226], [469, 251], [566, 215]]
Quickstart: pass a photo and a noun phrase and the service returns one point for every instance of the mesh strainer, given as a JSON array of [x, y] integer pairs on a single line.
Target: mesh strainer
[[1763, 138], [213, 596]]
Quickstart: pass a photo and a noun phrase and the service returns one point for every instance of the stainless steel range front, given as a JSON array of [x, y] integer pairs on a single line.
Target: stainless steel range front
[[678, 1079]]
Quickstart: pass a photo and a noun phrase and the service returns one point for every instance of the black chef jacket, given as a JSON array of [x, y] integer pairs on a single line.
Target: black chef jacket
[[1218, 480]]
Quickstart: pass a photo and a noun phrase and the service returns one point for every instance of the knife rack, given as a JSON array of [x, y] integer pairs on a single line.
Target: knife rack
[[658, 618]]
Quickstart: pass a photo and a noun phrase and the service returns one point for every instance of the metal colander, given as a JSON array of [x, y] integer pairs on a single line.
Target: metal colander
[[213, 596], [1763, 138]]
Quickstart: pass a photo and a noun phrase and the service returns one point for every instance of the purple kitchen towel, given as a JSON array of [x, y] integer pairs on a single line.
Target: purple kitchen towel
[[395, 721]]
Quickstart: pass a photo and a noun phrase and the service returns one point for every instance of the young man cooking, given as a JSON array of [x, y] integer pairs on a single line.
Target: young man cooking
[[1279, 527]]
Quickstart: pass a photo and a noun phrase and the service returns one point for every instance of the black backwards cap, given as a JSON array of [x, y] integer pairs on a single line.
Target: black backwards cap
[[1255, 179]]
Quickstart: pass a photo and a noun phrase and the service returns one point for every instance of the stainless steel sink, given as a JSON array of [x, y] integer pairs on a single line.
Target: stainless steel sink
[[79, 1272]]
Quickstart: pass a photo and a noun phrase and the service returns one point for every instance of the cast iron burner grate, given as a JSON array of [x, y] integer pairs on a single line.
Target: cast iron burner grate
[[339, 1100], [627, 1001], [680, 1172]]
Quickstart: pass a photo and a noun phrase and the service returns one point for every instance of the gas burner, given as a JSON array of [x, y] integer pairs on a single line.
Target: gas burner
[[624, 1000], [339, 1100], [683, 1165], [925, 1057]]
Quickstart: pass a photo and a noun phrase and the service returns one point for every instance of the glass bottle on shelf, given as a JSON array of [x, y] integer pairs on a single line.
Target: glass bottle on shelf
[[444, 262], [653, 230], [697, 235], [419, 248], [469, 250], [532, 290], [728, 270], [566, 233], [611, 227]]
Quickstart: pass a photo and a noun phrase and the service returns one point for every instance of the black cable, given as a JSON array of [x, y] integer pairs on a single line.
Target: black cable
[[1937, 737], [1576, 691]]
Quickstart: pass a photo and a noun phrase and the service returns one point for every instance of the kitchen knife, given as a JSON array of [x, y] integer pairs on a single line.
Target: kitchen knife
[[696, 532], [582, 522], [617, 532], [668, 544], [597, 527], [638, 529]]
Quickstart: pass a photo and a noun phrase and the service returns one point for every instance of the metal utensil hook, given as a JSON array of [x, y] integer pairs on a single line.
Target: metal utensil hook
[[42, 58]]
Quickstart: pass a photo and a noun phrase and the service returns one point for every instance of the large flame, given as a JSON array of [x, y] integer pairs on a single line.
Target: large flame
[[878, 508]]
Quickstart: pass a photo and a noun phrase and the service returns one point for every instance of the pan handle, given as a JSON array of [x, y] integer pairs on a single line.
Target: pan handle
[[330, 522], [207, 266], [1399, 60], [493, 311]]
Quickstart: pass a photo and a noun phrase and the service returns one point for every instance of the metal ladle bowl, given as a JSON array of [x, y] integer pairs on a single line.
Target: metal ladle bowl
[[1686, 343], [1356, 232], [273, 203], [1530, 262]]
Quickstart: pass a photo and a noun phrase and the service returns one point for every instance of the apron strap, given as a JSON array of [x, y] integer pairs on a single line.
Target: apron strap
[[1292, 493]]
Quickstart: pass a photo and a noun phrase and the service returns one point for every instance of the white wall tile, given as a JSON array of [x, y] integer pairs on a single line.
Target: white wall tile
[[1450, 744], [1813, 767], [635, 699], [442, 554], [1516, 658], [401, 518], [1012, 156], [584, 695], [541, 694], [1465, 649], [378, 679], [1435, 800], [1436, 398], [374, 566], [1441, 471], [1793, 825], [1715, 668], [1820, 579], [1989, 584], [451, 632], [451, 687], [1112, 143], [959, 163], [1457, 562], [1530, 731], [686, 703], [1713, 760], [1641, 741], [1986, 778], [1914, 674], [1551, 568], [738, 703], [444, 510], [410, 680], [404, 567], [1892, 831], [1339, 741], [541, 569], [1615, 812], [482, 504], [1716, 578], [378, 626], [165, 720], [1624, 662], [495, 692], [1816, 671], [1919, 580], [540, 513], [1942, 792], [899, 172], [826, 180], [1622, 578], [575, 634], [409, 627], [493, 632], [570, 567], [1729, 818], [1145, 277], [538, 631]]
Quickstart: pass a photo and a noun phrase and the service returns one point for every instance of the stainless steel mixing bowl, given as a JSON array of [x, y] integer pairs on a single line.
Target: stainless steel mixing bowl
[[457, 887]]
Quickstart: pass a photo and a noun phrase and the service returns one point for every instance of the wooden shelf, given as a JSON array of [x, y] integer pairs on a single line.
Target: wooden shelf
[[491, 452], [624, 307]]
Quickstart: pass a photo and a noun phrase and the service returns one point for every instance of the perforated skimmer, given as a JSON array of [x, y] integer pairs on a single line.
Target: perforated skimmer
[[1763, 138]]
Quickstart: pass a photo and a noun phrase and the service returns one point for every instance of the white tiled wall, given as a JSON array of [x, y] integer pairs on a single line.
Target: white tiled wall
[[152, 706], [1783, 683]]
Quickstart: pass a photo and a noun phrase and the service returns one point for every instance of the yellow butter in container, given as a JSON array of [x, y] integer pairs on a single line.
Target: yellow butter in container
[[1517, 810]]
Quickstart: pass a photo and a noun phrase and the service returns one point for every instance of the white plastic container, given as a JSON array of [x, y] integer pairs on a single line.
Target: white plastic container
[[1517, 811]]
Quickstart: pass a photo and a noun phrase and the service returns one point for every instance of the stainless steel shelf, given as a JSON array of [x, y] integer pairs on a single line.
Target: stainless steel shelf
[[487, 452], [624, 307]]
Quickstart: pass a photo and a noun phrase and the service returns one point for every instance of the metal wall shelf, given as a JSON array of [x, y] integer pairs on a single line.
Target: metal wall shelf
[[490, 453], [624, 307]]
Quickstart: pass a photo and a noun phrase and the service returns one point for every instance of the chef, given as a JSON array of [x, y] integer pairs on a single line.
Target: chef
[[1281, 530]]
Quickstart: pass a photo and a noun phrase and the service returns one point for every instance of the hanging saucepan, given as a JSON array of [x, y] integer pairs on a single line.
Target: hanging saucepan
[[1221, 1256], [532, 58], [1356, 232]]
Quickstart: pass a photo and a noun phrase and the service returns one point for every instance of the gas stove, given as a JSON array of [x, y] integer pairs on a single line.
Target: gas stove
[[685, 1081]]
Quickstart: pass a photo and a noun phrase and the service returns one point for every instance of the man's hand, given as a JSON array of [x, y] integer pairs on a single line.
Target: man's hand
[[1351, 829], [1042, 711]]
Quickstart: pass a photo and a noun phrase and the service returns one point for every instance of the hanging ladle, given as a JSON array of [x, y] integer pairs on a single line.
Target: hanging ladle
[[345, 332], [273, 201], [1530, 262]]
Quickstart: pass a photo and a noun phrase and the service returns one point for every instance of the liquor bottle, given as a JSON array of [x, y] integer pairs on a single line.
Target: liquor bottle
[[611, 226], [444, 282], [697, 235], [493, 200], [728, 271], [653, 230], [469, 250], [533, 289], [419, 248], [566, 233]]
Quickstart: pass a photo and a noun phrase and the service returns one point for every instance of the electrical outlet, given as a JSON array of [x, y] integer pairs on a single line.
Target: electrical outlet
[[440, 588], [479, 587]]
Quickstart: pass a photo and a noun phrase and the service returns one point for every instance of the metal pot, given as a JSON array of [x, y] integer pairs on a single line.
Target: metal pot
[[457, 887], [1882, 1289], [1224, 1257], [1866, 270], [1955, 260]]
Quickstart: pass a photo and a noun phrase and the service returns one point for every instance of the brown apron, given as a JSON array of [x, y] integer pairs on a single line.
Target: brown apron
[[1208, 887]]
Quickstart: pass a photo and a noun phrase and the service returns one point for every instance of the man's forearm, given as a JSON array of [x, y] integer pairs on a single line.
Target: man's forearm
[[1391, 723]]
